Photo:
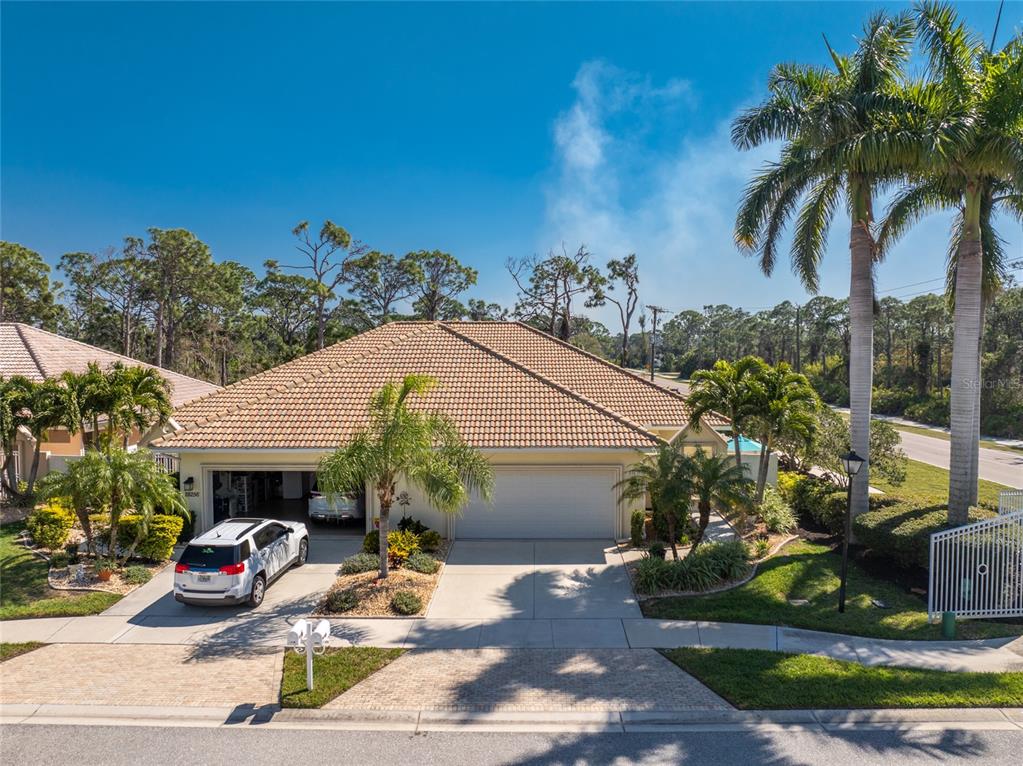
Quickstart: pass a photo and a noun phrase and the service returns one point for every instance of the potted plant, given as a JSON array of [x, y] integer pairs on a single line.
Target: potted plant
[[104, 569]]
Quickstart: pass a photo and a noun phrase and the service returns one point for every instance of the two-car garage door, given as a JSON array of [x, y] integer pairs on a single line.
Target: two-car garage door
[[534, 502]]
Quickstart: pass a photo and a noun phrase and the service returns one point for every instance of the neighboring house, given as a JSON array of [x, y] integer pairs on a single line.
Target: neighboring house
[[559, 425], [37, 354]]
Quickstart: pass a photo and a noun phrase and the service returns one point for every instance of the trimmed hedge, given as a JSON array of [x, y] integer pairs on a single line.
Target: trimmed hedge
[[900, 528], [156, 545], [50, 525]]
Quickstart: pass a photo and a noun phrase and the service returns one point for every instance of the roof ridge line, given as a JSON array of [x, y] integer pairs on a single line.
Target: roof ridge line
[[296, 382], [132, 360], [28, 347], [604, 362], [552, 384]]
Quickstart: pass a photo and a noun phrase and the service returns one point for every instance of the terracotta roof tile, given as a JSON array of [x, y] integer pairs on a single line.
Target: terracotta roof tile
[[38, 354], [498, 393]]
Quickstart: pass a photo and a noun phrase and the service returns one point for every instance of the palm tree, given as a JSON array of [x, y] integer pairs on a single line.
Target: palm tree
[[715, 481], [117, 481], [141, 399], [664, 476], [977, 109], [727, 388], [52, 405], [838, 143], [786, 407], [423, 449], [15, 394]]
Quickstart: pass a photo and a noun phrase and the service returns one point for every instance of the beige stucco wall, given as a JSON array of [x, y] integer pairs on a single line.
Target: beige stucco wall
[[199, 465]]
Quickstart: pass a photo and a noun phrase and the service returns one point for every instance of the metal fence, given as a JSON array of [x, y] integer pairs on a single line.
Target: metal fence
[[168, 462], [976, 570], [1010, 501]]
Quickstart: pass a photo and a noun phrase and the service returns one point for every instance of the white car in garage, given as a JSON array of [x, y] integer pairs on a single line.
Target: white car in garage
[[235, 561]]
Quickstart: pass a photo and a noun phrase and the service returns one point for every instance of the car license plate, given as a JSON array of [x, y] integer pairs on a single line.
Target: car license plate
[[204, 578]]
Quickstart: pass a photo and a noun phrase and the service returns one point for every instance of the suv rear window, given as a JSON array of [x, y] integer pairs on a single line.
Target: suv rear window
[[210, 556]]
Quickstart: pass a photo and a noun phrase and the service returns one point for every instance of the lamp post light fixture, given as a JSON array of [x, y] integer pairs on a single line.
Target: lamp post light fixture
[[852, 463]]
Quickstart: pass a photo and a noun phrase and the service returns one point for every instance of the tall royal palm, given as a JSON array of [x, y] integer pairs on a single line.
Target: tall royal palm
[[977, 116], [841, 142]]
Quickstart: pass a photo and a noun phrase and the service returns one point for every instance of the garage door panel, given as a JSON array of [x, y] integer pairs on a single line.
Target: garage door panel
[[569, 502]]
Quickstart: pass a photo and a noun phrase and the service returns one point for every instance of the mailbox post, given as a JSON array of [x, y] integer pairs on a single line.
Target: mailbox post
[[305, 638]]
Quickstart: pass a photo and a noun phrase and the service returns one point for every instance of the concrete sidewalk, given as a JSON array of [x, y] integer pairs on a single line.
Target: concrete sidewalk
[[988, 655]]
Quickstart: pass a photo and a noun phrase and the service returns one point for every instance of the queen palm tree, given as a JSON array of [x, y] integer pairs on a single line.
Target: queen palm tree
[[715, 481], [840, 142], [976, 117], [726, 388], [665, 477], [786, 408], [15, 395], [421, 448], [52, 405]]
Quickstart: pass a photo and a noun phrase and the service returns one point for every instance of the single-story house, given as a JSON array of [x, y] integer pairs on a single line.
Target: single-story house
[[559, 425], [37, 355]]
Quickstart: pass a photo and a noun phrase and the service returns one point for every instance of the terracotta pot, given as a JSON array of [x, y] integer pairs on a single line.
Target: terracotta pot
[[104, 574]]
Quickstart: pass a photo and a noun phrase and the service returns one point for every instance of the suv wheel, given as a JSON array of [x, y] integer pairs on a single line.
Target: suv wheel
[[303, 552], [258, 590]]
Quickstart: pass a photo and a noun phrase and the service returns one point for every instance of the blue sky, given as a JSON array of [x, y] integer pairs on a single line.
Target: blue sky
[[488, 130]]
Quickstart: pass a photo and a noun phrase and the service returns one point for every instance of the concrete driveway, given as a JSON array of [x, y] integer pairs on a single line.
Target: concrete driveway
[[533, 579], [150, 615]]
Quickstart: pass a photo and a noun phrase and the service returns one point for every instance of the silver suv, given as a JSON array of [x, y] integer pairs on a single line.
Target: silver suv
[[235, 561]]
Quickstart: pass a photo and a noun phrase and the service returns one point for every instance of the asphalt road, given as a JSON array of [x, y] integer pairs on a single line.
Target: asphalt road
[[27, 745], [993, 465]]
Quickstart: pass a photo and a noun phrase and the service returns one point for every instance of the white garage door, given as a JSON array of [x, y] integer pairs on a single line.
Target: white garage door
[[544, 502]]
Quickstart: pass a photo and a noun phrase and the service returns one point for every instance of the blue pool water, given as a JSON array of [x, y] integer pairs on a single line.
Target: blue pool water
[[745, 445]]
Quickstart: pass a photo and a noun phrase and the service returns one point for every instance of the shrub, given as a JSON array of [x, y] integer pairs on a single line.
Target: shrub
[[728, 560], [651, 574], [420, 562], [815, 499], [636, 524], [400, 545], [71, 550], [406, 602], [430, 540], [137, 575], [157, 544], [341, 600], [761, 548], [776, 514], [360, 562], [59, 560], [371, 542], [657, 550], [409, 524], [900, 528], [104, 564], [50, 524]]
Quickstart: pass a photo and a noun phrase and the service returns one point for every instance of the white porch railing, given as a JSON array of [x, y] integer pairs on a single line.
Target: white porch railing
[[976, 570], [168, 462]]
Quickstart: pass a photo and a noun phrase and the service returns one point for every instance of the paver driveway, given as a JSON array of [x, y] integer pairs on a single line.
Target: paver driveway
[[533, 579]]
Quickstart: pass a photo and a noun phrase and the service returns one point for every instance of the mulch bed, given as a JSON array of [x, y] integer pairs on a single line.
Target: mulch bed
[[62, 580]]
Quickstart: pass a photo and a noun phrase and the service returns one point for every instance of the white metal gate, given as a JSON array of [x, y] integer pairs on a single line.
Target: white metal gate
[[977, 569]]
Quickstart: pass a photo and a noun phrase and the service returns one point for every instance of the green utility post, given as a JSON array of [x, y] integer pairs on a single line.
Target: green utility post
[[948, 625]]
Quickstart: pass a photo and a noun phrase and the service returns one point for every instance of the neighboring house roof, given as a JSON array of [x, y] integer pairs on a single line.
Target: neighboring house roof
[[493, 383], [38, 354]]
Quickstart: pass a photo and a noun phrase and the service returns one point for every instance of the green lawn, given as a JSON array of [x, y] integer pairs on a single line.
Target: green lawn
[[931, 483], [810, 571], [334, 672], [10, 651], [757, 679], [24, 591]]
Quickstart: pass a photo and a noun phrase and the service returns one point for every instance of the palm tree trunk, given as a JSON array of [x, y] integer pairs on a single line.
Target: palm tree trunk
[[704, 509], [965, 361], [34, 471], [861, 356], [672, 534], [975, 432], [385, 514], [738, 451], [765, 449]]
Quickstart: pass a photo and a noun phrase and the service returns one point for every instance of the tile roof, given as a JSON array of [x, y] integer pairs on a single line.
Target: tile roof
[[497, 394], [38, 354]]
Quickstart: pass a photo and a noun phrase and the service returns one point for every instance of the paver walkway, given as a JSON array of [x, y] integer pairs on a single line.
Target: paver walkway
[[103, 674], [481, 680]]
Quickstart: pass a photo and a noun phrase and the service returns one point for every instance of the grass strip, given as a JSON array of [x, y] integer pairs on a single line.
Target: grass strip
[[334, 672]]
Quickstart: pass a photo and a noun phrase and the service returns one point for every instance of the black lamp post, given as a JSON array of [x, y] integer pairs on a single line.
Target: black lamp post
[[852, 463]]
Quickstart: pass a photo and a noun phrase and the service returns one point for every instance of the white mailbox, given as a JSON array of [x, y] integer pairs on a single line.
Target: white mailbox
[[296, 636], [308, 639]]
